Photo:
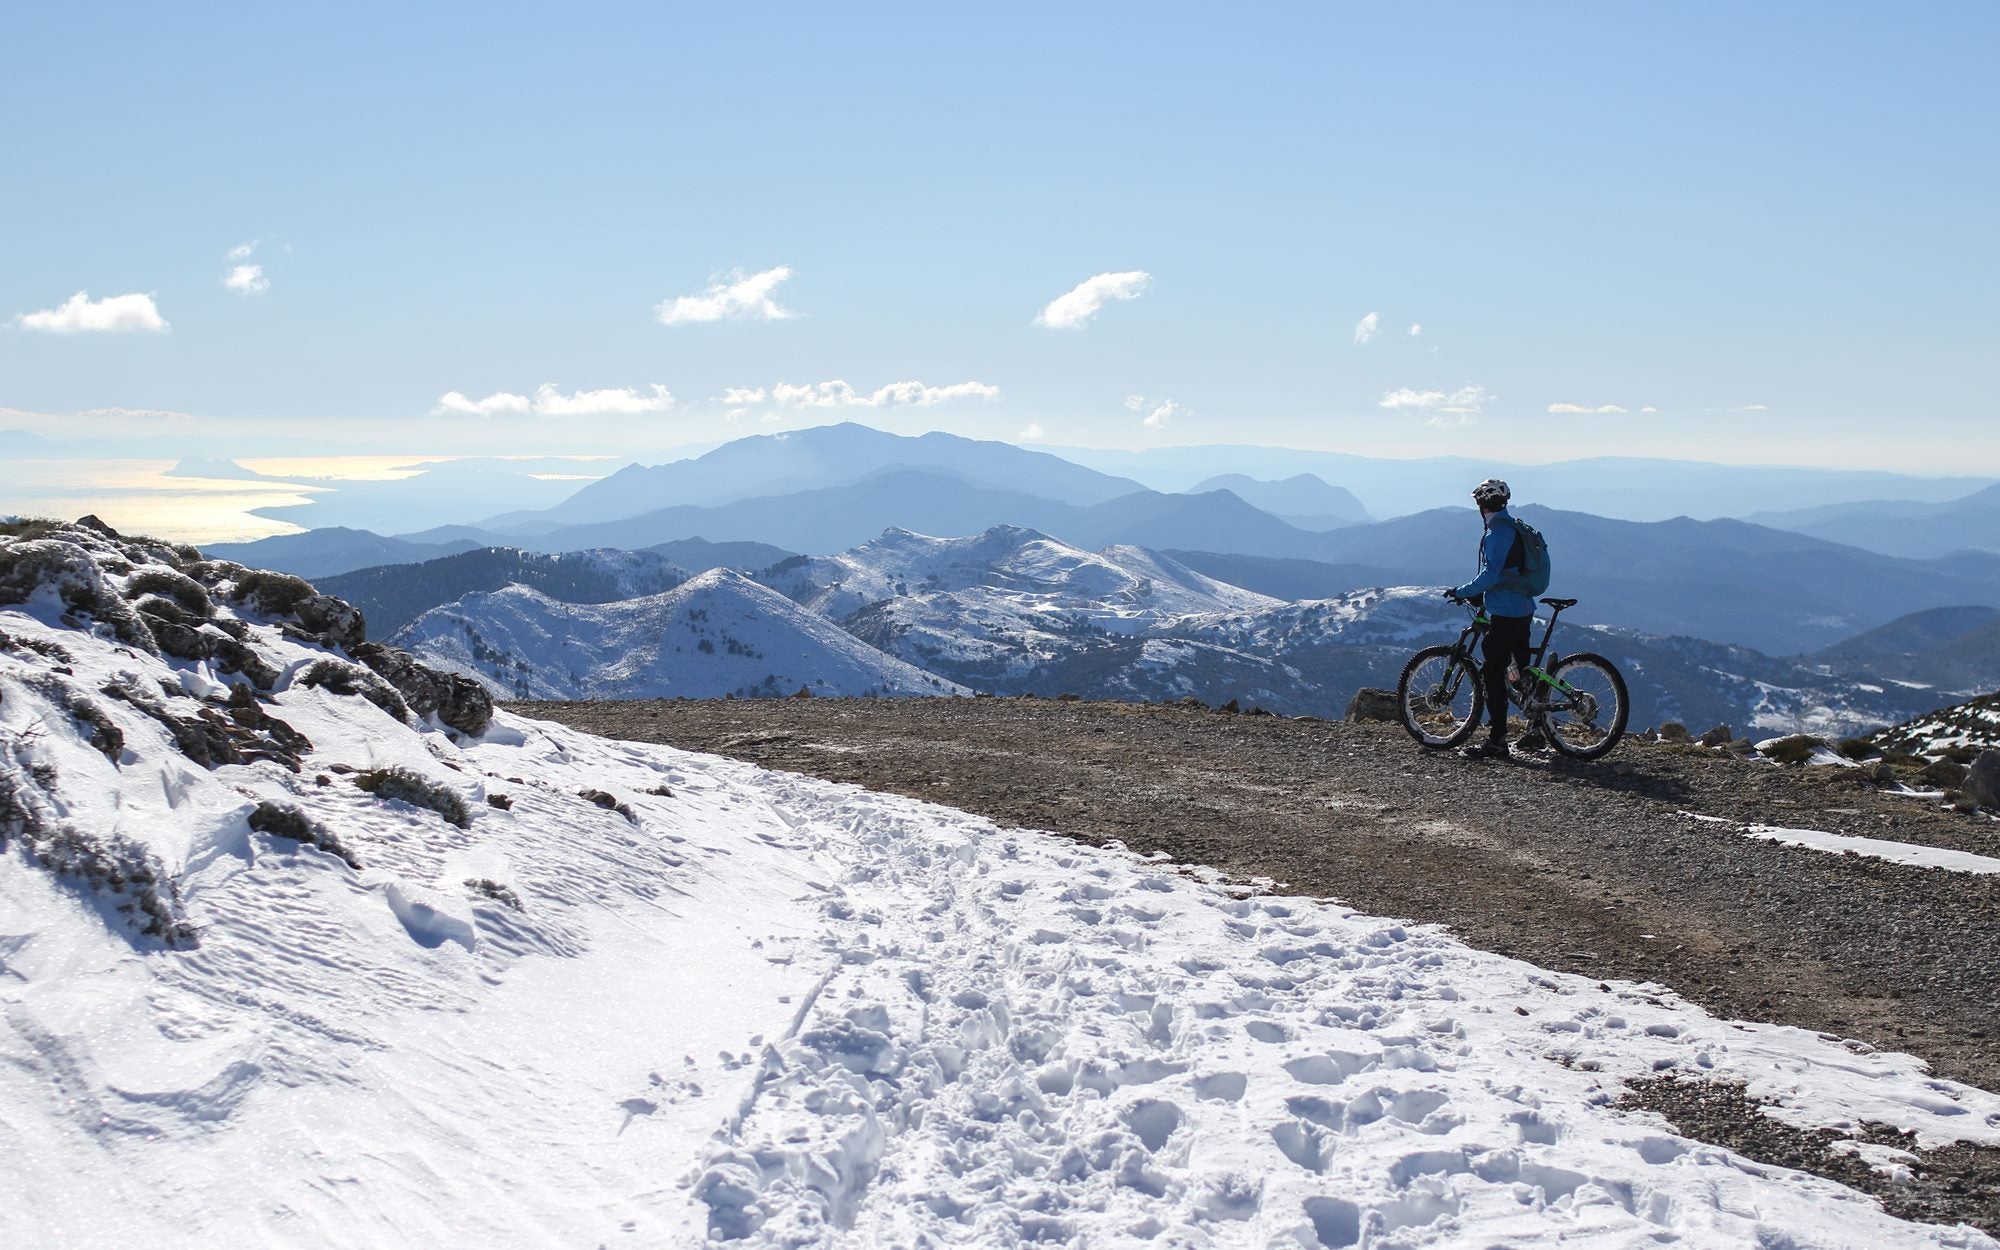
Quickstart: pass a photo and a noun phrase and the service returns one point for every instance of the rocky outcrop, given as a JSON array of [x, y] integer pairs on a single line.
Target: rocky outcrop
[[1982, 780], [164, 599], [456, 700], [1372, 703]]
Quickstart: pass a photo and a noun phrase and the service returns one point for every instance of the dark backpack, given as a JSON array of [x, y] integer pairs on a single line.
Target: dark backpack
[[1527, 570]]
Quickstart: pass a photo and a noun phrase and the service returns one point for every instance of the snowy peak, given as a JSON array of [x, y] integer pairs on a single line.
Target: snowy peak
[[1119, 588], [718, 634]]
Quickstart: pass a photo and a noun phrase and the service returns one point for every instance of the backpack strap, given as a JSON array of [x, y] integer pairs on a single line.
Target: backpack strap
[[1517, 558]]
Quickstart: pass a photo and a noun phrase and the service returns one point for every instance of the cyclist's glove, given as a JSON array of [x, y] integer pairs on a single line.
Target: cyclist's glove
[[1452, 595]]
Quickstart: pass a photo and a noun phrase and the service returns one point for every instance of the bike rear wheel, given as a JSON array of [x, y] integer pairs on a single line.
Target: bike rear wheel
[[1586, 720], [1440, 697]]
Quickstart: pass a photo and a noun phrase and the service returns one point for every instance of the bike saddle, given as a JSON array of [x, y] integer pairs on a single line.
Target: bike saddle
[[1560, 604]]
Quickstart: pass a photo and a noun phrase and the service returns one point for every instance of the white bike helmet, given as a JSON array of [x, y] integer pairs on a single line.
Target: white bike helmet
[[1491, 493]]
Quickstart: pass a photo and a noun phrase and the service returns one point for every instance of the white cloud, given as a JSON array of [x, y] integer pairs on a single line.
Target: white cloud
[[1416, 330], [247, 280], [80, 314], [1649, 410], [739, 297], [548, 401], [1156, 412], [838, 394], [492, 405], [1580, 408], [1443, 408], [1033, 434], [1072, 310], [1366, 329], [742, 396], [1752, 408], [242, 250], [621, 401]]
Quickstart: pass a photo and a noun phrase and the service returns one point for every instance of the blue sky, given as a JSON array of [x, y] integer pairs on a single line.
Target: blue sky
[[1773, 227]]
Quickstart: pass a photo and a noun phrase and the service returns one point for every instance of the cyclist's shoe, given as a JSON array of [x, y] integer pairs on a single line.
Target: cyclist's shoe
[[1533, 740], [1494, 748]]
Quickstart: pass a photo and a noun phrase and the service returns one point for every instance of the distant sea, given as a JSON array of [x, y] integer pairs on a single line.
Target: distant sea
[[139, 497]]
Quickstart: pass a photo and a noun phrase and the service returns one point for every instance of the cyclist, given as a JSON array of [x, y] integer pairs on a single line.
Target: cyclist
[[1511, 611]]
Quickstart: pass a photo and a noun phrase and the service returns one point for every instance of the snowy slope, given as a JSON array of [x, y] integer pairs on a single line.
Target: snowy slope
[[1972, 724], [756, 1010], [1010, 569], [719, 633]]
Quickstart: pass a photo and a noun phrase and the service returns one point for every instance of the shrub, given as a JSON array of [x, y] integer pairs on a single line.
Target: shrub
[[29, 527], [1856, 748], [179, 587], [1795, 749], [416, 790], [283, 821], [273, 594], [101, 731], [118, 865]]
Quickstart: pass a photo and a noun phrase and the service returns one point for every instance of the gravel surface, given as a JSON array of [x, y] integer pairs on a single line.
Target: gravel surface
[[1947, 1185], [1588, 868]]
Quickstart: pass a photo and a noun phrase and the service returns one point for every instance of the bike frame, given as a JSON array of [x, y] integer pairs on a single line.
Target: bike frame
[[1540, 659]]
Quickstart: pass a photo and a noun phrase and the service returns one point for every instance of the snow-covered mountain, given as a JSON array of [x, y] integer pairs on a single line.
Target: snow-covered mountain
[[717, 634], [1013, 611], [1973, 724], [393, 595], [1120, 589], [295, 951]]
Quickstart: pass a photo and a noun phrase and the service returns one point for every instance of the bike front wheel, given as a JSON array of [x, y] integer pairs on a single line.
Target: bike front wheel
[[1587, 708], [1440, 697]]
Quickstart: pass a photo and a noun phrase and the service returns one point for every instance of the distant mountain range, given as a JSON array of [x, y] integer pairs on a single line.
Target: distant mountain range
[[328, 552], [1901, 528], [1777, 591], [1634, 488], [1301, 500], [393, 595], [1014, 611], [718, 634], [768, 465]]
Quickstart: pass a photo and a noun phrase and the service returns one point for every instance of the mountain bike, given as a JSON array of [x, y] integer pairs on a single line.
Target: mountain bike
[[1578, 702]]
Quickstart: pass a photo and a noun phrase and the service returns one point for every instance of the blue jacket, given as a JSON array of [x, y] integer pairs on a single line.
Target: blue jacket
[[1493, 552]]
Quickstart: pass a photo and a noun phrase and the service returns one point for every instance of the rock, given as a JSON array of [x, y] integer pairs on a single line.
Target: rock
[[1230, 707], [1945, 774], [1884, 772], [92, 523], [183, 643], [1373, 703], [1188, 700], [1982, 780], [804, 692], [336, 621], [1719, 736], [457, 701], [1674, 731], [238, 657]]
